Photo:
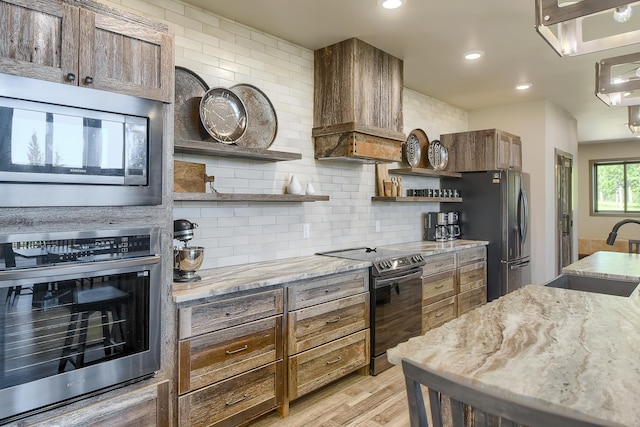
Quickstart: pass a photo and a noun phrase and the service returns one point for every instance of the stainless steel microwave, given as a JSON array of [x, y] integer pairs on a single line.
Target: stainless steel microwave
[[62, 145]]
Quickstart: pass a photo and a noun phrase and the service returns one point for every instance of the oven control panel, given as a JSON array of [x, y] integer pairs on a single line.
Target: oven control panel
[[44, 252], [399, 263]]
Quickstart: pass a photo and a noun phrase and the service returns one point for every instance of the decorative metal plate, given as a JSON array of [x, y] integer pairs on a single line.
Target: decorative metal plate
[[412, 150], [189, 90], [438, 155], [262, 120], [223, 115]]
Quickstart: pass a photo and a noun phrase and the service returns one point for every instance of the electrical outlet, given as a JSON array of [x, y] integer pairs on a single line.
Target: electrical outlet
[[305, 231], [377, 226]]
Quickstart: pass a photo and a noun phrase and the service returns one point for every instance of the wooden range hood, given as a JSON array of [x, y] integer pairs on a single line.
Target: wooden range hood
[[357, 112]]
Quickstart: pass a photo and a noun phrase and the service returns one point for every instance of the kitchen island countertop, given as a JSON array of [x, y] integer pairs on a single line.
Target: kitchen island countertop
[[562, 347], [227, 280]]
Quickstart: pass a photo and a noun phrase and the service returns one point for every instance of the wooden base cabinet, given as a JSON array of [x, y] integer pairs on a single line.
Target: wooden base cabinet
[[327, 330], [230, 359], [452, 284], [472, 279]]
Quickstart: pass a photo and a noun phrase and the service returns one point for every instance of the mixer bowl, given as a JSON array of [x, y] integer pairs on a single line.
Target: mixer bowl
[[188, 260]]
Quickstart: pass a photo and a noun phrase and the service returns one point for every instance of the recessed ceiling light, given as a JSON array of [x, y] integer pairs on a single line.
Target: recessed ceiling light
[[391, 4], [473, 55], [523, 86]]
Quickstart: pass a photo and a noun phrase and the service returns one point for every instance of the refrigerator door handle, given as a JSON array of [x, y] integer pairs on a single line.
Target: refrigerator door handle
[[519, 265], [523, 215]]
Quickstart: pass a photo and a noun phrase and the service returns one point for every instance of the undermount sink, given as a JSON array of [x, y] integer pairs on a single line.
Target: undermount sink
[[598, 285]]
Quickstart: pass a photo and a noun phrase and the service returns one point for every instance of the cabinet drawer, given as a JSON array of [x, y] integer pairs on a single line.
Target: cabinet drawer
[[467, 256], [438, 313], [469, 300], [312, 292], [233, 401], [319, 324], [439, 263], [438, 286], [217, 315], [472, 276], [216, 356], [314, 368]]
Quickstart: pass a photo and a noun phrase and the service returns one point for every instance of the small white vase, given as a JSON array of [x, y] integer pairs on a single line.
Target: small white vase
[[294, 186], [310, 189]]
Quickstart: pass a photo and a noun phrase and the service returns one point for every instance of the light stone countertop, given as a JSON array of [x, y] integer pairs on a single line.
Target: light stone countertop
[[574, 349], [228, 280]]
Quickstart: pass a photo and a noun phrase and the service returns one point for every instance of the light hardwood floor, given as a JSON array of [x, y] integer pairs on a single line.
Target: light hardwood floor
[[356, 400]]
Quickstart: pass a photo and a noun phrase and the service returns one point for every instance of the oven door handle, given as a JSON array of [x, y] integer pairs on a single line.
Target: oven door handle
[[379, 283], [74, 269]]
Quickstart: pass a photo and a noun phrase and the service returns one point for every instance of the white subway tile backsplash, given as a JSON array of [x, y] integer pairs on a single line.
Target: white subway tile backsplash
[[224, 53]]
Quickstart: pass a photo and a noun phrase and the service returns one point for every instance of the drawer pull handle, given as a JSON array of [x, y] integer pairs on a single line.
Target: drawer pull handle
[[331, 362], [336, 320], [439, 314], [244, 396], [71, 77], [237, 350], [439, 286], [237, 313], [326, 291]]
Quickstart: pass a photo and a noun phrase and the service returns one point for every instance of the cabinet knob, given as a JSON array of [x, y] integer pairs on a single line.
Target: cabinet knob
[[71, 77], [88, 80]]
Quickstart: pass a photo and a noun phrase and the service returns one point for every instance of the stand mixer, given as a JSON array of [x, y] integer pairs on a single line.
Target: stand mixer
[[186, 260]]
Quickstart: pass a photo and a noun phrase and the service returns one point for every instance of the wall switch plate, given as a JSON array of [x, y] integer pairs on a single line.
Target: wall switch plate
[[377, 226], [305, 231]]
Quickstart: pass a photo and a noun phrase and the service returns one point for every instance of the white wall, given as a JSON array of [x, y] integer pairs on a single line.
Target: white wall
[[542, 127], [600, 226], [225, 53]]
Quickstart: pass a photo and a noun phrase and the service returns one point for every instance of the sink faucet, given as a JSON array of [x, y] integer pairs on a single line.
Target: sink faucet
[[614, 230]]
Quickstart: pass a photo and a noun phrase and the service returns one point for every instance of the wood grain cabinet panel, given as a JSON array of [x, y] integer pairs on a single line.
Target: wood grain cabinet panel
[[469, 300], [467, 256], [51, 55], [439, 313], [233, 401], [438, 286], [472, 276], [319, 324], [321, 365], [216, 356], [317, 291], [92, 45], [439, 263], [483, 150], [217, 315]]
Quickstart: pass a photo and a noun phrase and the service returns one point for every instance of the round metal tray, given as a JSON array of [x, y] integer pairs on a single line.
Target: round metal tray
[[261, 117], [189, 90]]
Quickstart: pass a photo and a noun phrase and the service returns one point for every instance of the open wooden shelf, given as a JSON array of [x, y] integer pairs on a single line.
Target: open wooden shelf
[[416, 199], [229, 150], [425, 172], [229, 197]]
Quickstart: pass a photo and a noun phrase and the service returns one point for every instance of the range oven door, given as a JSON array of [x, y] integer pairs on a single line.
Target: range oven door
[[396, 315], [67, 330]]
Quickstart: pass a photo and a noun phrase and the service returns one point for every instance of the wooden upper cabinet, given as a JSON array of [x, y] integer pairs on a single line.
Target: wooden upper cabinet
[[92, 46], [483, 150], [39, 39], [119, 56]]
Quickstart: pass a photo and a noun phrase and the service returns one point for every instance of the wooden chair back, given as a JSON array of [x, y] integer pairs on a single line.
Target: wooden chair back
[[483, 406]]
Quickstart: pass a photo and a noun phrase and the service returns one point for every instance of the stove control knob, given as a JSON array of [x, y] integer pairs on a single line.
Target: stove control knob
[[417, 258]]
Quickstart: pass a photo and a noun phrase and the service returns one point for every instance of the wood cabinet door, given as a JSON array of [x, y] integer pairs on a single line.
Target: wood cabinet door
[[516, 154], [125, 57], [39, 39], [503, 150]]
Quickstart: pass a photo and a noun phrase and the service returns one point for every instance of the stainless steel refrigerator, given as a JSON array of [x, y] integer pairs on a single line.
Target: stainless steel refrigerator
[[495, 208]]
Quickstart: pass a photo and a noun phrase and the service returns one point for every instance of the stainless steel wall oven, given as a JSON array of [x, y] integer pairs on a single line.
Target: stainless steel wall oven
[[62, 145], [80, 312]]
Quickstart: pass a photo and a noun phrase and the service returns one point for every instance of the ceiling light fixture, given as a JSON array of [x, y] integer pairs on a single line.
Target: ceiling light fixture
[[622, 14], [473, 55], [391, 4], [634, 119], [563, 25], [617, 80], [523, 86]]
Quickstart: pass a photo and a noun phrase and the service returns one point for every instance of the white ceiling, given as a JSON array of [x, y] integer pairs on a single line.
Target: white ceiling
[[431, 37]]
